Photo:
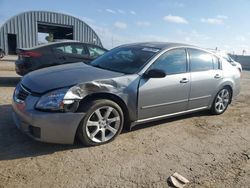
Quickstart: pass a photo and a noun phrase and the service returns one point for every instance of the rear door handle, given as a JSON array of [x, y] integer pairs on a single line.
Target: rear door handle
[[217, 76], [184, 80]]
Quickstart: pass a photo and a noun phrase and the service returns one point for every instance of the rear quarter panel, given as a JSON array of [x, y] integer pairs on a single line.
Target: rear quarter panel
[[231, 77]]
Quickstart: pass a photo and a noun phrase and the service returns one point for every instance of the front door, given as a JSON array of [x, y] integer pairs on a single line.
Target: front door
[[168, 95]]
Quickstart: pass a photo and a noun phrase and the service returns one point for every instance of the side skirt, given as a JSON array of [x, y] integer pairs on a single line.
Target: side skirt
[[141, 121]]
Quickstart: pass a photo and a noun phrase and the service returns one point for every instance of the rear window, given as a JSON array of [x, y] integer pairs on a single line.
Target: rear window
[[95, 52], [200, 60], [216, 63], [76, 49]]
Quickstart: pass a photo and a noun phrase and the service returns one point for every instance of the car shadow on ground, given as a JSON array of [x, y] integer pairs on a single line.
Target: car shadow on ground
[[9, 81], [15, 145], [170, 119]]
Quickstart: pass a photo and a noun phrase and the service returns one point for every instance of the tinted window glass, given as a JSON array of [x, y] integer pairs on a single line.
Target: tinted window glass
[[71, 49], [95, 51], [200, 60], [216, 63], [125, 59], [172, 62]]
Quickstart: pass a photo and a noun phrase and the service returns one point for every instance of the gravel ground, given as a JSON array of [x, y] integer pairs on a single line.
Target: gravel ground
[[210, 151]]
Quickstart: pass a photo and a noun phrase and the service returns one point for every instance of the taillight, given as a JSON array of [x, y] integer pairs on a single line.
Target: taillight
[[30, 54]]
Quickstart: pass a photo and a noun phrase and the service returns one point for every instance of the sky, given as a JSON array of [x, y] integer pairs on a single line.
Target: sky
[[222, 24]]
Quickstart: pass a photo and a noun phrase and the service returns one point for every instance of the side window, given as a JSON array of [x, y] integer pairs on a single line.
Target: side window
[[216, 62], [95, 52], [77, 49], [200, 60], [172, 62]]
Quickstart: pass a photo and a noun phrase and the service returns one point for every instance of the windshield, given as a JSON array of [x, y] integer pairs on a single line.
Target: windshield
[[127, 60]]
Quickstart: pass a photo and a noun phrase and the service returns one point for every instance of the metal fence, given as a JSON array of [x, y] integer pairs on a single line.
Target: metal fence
[[243, 60]]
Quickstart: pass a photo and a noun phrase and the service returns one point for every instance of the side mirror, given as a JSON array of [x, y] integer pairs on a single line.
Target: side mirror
[[154, 73]]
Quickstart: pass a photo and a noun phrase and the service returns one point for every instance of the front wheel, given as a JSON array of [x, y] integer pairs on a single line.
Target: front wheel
[[1, 54], [221, 101], [102, 123]]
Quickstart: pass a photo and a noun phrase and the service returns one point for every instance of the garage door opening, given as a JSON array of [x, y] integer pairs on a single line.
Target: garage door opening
[[12, 44], [50, 32]]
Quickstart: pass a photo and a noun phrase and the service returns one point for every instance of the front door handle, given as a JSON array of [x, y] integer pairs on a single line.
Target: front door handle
[[217, 76], [184, 80]]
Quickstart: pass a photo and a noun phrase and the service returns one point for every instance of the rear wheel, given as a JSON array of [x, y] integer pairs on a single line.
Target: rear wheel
[[221, 101], [102, 123], [1, 54]]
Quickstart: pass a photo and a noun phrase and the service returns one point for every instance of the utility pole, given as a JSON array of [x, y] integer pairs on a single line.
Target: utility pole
[[243, 52]]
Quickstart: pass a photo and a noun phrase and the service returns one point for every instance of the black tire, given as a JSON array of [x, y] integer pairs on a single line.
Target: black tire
[[89, 108], [214, 109], [1, 54]]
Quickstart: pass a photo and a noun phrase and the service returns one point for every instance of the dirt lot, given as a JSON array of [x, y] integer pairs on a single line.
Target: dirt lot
[[210, 151]]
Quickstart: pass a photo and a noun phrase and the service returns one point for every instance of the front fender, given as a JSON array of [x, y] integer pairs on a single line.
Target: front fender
[[125, 88]]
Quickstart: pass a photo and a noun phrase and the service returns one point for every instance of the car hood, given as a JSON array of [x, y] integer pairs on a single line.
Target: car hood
[[55, 77]]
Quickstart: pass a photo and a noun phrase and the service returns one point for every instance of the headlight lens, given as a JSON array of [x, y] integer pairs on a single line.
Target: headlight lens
[[54, 101]]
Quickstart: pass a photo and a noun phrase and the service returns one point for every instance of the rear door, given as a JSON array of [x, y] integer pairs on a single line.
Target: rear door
[[206, 75], [70, 53]]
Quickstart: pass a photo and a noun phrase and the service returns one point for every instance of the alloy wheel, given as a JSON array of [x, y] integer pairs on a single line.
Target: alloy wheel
[[103, 124], [222, 100]]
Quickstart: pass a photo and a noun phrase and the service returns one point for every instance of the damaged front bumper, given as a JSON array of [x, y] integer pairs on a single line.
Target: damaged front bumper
[[45, 126]]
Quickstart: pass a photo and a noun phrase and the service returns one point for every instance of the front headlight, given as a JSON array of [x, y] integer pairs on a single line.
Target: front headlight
[[55, 101]]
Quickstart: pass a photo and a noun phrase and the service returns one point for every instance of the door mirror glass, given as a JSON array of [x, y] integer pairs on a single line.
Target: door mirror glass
[[154, 73]]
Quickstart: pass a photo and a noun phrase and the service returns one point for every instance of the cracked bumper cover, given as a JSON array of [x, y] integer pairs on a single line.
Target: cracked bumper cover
[[52, 127]]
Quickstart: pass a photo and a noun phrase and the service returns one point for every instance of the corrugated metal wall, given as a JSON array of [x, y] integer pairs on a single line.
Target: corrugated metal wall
[[25, 27]]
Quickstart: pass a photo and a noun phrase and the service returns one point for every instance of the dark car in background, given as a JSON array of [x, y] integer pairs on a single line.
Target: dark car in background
[[56, 53]]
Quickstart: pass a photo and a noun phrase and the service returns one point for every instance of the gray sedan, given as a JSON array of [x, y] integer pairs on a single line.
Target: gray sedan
[[129, 85]]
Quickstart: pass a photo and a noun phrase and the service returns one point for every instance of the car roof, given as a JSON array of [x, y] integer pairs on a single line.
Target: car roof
[[61, 42], [159, 45]]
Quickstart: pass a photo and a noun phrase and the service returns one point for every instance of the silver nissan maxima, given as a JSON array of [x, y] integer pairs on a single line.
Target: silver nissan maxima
[[128, 85]]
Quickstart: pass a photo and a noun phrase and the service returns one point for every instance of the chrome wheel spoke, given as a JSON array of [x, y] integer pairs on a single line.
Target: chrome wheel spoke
[[108, 112], [103, 137], [217, 104], [92, 124], [98, 114], [219, 107], [92, 135], [114, 119], [219, 97], [225, 94], [111, 129], [222, 107]]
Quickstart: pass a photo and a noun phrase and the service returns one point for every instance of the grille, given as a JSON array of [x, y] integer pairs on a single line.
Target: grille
[[21, 93]]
